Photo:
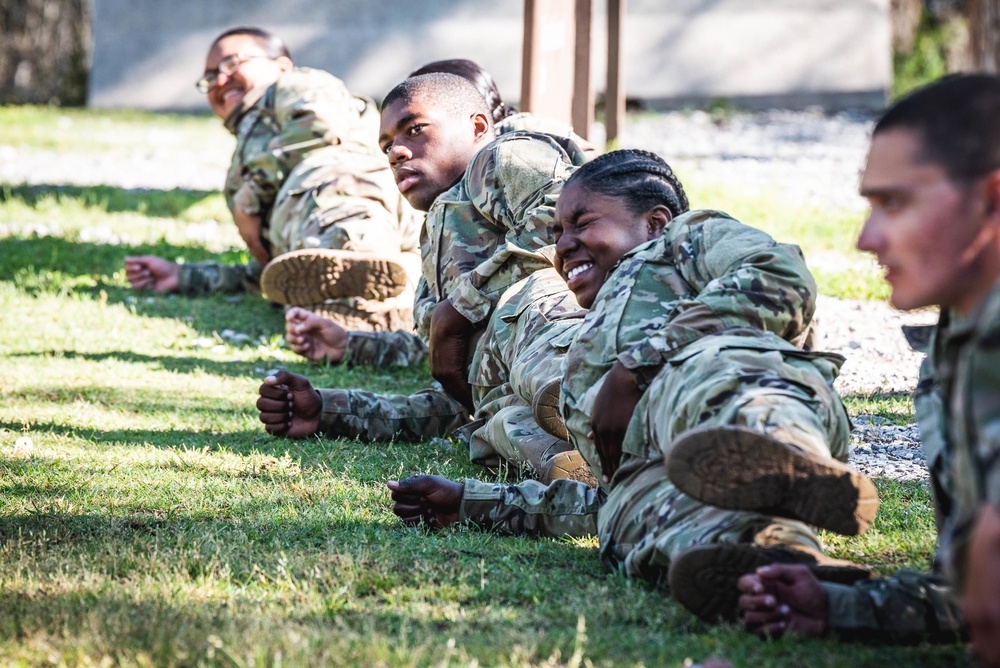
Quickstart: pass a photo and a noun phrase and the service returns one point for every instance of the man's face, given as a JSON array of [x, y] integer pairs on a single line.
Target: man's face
[[593, 232], [428, 147], [256, 70], [924, 229]]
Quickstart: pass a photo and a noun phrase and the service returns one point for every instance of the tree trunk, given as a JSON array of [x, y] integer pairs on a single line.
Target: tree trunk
[[44, 51], [984, 34]]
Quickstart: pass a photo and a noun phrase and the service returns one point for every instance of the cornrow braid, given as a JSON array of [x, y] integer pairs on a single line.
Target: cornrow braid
[[640, 179]]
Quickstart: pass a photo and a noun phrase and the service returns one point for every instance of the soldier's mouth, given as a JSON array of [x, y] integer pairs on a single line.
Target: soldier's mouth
[[406, 180]]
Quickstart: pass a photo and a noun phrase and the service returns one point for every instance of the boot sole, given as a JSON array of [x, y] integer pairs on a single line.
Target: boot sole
[[568, 465], [704, 578], [744, 469], [545, 409], [311, 276]]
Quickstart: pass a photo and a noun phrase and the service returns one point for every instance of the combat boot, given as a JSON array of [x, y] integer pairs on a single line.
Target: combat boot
[[704, 578], [545, 409], [313, 275], [744, 469]]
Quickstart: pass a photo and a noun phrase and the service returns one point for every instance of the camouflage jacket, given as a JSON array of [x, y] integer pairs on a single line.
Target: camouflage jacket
[[493, 228], [706, 273], [276, 127], [486, 233], [957, 402]]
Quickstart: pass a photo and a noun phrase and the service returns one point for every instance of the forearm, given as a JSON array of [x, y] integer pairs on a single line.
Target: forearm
[[563, 508], [200, 278], [385, 349], [906, 608]]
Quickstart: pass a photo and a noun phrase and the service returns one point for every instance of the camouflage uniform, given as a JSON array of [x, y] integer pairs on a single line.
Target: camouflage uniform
[[306, 162], [702, 317], [527, 336], [957, 402], [489, 231], [404, 349]]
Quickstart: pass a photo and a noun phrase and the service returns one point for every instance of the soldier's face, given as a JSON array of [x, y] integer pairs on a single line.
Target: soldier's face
[[256, 70], [933, 236], [429, 147], [593, 232]]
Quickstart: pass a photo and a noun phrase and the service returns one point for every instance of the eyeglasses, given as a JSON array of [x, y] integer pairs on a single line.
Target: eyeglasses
[[227, 66]]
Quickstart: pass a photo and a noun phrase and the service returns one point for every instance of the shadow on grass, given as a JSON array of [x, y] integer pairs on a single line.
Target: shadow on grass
[[110, 199], [354, 459], [234, 369], [54, 266]]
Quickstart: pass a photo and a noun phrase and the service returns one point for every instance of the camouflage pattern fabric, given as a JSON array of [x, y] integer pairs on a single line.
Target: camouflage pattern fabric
[[306, 161], [578, 151], [384, 349], [529, 331], [702, 316], [385, 417], [957, 402], [489, 231], [494, 227]]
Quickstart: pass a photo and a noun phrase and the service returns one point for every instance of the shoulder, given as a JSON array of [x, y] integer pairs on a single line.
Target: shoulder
[[307, 83], [514, 168]]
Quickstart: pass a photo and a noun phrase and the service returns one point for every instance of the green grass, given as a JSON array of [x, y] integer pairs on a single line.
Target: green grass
[[147, 519]]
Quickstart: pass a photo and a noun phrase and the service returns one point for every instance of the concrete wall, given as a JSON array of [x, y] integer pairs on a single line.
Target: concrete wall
[[148, 53]]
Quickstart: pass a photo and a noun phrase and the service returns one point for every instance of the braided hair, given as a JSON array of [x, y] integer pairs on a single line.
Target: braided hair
[[641, 179]]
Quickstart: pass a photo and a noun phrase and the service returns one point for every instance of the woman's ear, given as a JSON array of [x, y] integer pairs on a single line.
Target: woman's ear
[[657, 219], [285, 63]]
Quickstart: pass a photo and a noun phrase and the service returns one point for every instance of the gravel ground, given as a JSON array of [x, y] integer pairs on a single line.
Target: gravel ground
[[807, 155]]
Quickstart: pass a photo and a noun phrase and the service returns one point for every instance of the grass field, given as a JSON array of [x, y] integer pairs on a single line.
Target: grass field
[[147, 519]]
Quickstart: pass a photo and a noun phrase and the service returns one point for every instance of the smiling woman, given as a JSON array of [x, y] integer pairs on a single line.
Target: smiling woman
[[608, 207]]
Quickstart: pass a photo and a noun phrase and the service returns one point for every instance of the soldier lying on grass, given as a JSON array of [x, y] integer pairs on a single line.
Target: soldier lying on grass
[[490, 203], [684, 364], [307, 176], [932, 179]]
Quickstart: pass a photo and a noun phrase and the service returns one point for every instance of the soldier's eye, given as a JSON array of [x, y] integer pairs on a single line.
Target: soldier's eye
[[415, 129], [386, 147]]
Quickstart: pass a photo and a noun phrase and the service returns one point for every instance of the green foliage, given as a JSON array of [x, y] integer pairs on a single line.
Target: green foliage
[[147, 519], [929, 58]]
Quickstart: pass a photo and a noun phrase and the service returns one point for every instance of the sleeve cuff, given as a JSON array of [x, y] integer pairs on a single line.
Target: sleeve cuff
[[472, 304], [479, 503], [849, 609], [643, 361]]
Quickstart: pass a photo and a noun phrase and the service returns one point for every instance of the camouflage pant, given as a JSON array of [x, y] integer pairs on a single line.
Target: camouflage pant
[[529, 331], [720, 380], [348, 200]]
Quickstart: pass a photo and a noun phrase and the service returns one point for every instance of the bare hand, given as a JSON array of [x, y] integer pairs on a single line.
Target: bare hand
[[981, 594], [449, 345], [148, 272], [430, 499], [314, 337], [613, 408], [289, 406], [783, 597], [249, 226]]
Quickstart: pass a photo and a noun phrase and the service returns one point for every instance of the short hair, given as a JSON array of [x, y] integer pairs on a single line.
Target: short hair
[[441, 90], [478, 77], [640, 178], [957, 119], [273, 46]]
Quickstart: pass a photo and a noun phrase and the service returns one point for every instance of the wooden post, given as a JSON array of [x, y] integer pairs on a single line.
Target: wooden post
[[614, 96], [583, 94], [547, 67]]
